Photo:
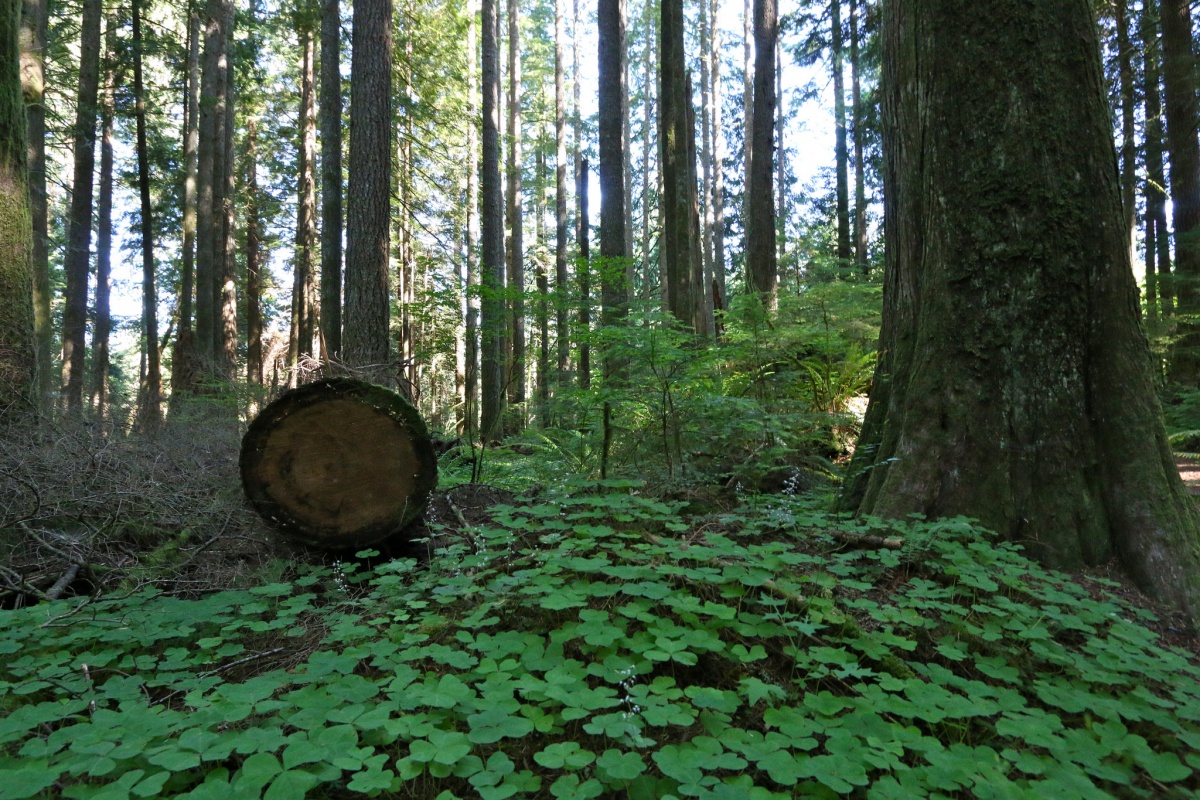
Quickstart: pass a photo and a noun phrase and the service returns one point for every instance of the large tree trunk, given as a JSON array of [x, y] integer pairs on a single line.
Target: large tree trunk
[[761, 264], [16, 278], [209, 246], [34, 24], [365, 323], [1014, 382], [338, 464], [515, 258], [614, 291], [150, 395], [491, 321], [330, 123], [79, 236], [1179, 83], [679, 190]]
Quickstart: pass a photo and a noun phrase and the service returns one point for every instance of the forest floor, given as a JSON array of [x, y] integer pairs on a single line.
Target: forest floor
[[1189, 470]]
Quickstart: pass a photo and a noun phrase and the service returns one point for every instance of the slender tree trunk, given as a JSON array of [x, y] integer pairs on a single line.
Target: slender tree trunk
[[780, 161], [254, 316], [649, 103], [706, 136], [611, 69], [226, 323], [365, 324], [561, 280], [1128, 151], [747, 123], [718, 161], [857, 113], [470, 400], [491, 321], [585, 273], [543, 287], [183, 359], [300, 343], [760, 221], [79, 236], [407, 278], [841, 155], [516, 244], [34, 22], [1040, 418], [1156, 182], [103, 324], [150, 407], [16, 234], [1179, 82], [331, 179]]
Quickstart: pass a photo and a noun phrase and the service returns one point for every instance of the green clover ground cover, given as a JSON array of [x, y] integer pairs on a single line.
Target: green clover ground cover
[[594, 645]]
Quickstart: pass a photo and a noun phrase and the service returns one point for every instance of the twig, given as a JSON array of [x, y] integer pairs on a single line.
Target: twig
[[60, 586], [458, 514], [240, 661]]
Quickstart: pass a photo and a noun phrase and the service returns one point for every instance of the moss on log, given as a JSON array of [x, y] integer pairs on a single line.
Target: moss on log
[[338, 464]]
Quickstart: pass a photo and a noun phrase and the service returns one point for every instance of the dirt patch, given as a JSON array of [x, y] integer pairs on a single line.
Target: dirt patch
[[1189, 470]]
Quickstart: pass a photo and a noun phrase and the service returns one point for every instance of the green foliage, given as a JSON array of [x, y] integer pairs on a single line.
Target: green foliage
[[597, 642]]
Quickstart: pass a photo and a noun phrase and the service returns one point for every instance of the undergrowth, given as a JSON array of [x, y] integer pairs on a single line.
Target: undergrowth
[[595, 643]]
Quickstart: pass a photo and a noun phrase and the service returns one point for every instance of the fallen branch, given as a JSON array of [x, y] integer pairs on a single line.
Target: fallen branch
[[868, 540], [60, 586]]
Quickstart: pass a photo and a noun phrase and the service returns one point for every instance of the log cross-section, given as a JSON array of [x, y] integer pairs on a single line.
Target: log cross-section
[[338, 464]]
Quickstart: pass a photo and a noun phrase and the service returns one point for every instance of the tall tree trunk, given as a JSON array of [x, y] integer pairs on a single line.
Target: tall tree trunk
[[706, 136], [303, 329], [1179, 82], [679, 188], [611, 69], [585, 279], [1158, 242], [857, 113], [365, 323], [470, 281], [760, 216], [747, 119], [561, 285], [209, 246], [1039, 418], [103, 325], [150, 396], [34, 24], [331, 179], [406, 288], [16, 278], [649, 103], [543, 287], [841, 156], [226, 322], [254, 283], [515, 257], [79, 236], [718, 162], [491, 320], [183, 358], [1125, 91], [780, 161]]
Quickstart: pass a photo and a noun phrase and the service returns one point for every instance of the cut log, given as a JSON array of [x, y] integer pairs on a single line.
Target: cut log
[[338, 464]]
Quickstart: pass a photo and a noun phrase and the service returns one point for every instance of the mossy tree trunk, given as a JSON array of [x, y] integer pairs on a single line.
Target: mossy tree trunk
[[1014, 382], [16, 227]]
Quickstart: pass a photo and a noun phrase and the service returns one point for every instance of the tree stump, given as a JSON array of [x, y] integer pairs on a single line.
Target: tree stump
[[338, 464]]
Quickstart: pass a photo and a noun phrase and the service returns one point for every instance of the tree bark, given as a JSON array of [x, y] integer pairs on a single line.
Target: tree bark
[[150, 396], [1014, 382], [718, 162], [760, 217], [491, 322], [614, 290], [1125, 92], [331, 179], [79, 236], [34, 24], [226, 322], [254, 283], [585, 273], [1179, 83], [470, 281], [16, 230], [515, 258], [365, 324], [209, 245]]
